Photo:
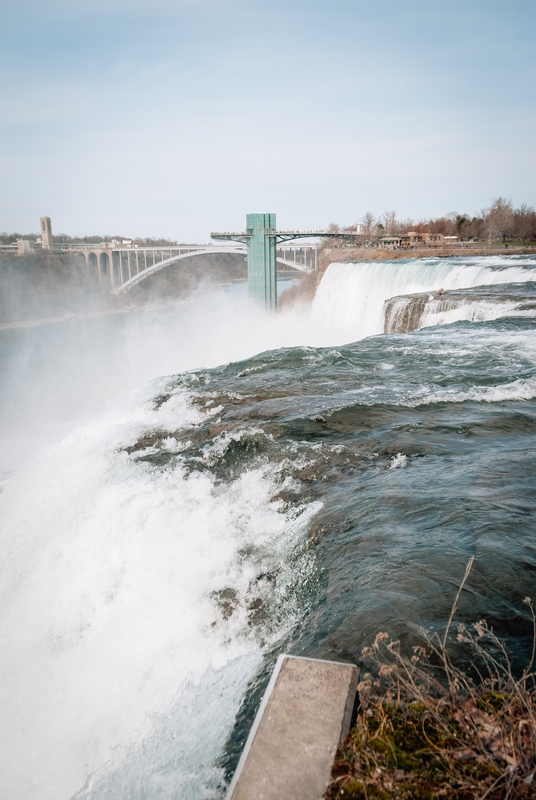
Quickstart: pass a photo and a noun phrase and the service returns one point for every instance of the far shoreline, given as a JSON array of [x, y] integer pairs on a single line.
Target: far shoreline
[[330, 255]]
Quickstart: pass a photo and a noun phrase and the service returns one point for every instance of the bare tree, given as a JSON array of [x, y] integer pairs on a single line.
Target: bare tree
[[367, 225], [405, 225], [474, 228], [389, 222], [333, 227], [525, 222], [441, 225], [499, 219]]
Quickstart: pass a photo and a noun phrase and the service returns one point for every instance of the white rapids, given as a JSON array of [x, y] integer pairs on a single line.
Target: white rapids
[[108, 632]]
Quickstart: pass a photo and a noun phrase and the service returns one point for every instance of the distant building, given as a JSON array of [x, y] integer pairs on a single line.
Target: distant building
[[24, 246], [433, 239], [390, 242], [412, 239], [46, 234], [415, 239]]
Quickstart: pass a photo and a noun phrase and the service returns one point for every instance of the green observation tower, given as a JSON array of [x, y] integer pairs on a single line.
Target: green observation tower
[[262, 238]]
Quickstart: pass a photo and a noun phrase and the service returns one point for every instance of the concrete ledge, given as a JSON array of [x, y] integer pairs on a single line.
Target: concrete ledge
[[304, 715]]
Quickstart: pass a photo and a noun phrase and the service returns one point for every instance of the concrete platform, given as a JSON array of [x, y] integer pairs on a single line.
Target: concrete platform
[[304, 715]]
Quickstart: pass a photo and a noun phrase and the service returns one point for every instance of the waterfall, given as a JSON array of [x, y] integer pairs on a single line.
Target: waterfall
[[404, 314], [351, 295]]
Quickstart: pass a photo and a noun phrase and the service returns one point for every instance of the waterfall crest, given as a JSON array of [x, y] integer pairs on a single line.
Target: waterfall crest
[[351, 295]]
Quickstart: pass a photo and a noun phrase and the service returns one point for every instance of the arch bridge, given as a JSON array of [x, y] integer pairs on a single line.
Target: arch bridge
[[125, 266]]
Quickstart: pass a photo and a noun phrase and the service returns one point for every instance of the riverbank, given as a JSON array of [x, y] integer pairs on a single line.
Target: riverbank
[[429, 728], [329, 255]]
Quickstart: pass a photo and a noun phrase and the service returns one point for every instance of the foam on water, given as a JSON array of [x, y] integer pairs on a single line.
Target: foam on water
[[521, 389], [472, 311], [398, 461]]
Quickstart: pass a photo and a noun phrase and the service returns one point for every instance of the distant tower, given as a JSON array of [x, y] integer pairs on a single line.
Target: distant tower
[[46, 234]]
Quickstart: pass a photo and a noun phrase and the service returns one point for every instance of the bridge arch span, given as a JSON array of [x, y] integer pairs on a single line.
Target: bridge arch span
[[294, 265], [125, 286]]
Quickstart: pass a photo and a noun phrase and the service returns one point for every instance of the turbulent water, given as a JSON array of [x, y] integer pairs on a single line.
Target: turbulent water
[[158, 556]]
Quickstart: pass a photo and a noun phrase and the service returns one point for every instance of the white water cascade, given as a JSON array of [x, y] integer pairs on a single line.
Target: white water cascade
[[351, 294], [117, 666]]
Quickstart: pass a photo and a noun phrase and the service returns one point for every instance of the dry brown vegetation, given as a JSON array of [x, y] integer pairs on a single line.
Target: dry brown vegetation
[[500, 221], [427, 729]]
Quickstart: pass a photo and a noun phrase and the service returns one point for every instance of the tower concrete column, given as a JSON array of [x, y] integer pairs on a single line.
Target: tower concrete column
[[261, 238], [46, 233], [262, 274]]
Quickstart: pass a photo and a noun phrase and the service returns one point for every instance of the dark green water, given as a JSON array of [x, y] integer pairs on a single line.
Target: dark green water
[[421, 450]]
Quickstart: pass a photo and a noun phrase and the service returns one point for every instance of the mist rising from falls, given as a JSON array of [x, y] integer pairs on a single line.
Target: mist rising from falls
[[351, 295]]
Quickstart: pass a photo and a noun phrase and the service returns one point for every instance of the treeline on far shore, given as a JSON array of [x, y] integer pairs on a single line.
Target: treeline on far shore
[[501, 221], [64, 238]]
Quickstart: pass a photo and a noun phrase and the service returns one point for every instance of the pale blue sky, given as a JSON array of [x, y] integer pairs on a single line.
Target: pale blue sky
[[161, 118]]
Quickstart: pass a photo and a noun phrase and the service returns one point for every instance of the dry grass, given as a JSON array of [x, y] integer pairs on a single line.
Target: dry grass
[[426, 729]]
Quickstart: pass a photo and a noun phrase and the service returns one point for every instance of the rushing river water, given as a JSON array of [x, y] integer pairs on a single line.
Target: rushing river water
[[308, 482]]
